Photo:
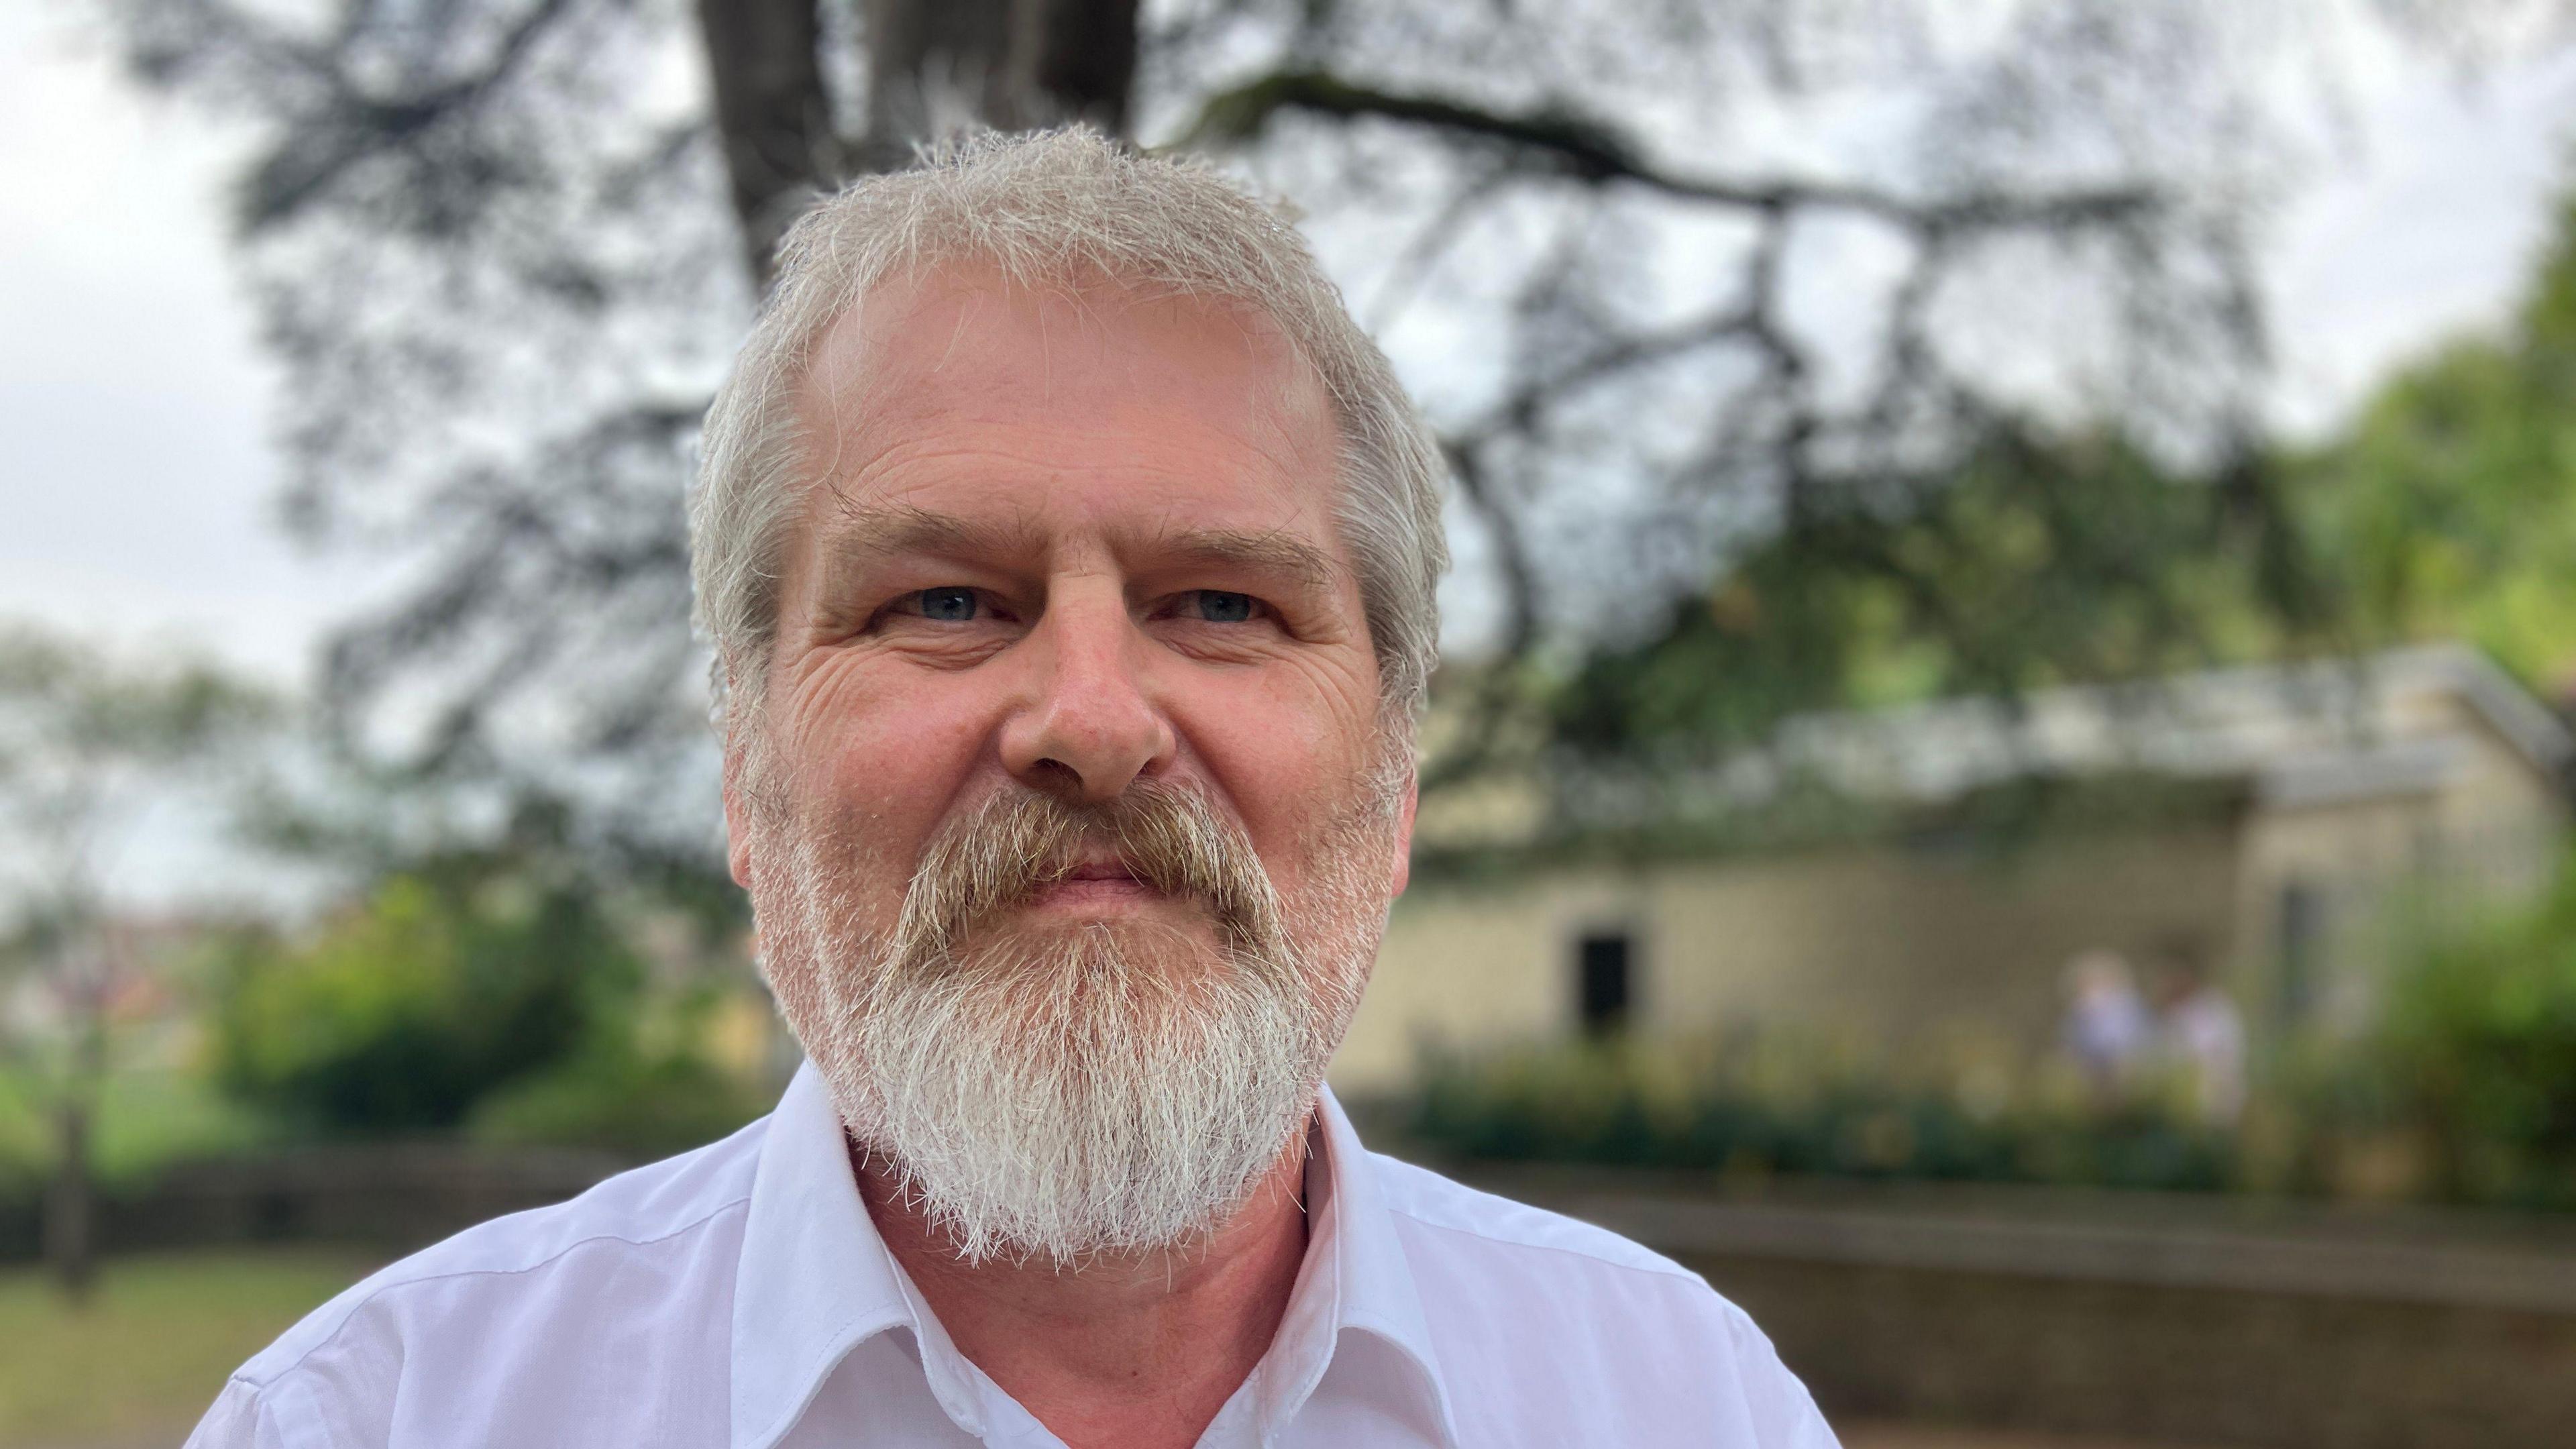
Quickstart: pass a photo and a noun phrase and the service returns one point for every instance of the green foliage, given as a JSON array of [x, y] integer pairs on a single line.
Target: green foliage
[[635, 1103], [406, 1012], [83, 742], [1764, 1108], [645, 1092], [2451, 503], [143, 1120], [2037, 564], [2476, 1053]]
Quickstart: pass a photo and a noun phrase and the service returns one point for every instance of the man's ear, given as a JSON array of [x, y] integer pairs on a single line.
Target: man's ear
[[1404, 835]]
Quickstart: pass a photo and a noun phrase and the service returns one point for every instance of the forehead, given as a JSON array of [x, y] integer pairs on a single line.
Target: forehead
[[1096, 391]]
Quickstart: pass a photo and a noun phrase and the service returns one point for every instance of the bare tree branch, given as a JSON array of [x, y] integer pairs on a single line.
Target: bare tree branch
[[357, 124], [1594, 153]]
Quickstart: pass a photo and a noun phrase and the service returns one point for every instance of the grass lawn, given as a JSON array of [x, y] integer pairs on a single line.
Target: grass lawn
[[145, 1356]]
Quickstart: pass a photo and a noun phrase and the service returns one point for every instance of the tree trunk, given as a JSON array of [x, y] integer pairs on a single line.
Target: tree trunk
[[939, 66], [771, 112], [71, 1203], [1080, 56], [70, 1246], [935, 67]]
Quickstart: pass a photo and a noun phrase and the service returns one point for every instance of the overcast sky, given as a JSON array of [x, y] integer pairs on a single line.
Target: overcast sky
[[133, 397]]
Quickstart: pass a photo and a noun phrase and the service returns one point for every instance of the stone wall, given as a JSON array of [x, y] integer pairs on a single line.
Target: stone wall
[[2201, 1321], [2196, 1365]]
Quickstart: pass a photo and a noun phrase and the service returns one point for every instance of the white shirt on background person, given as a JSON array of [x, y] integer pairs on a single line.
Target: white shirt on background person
[[739, 1295], [2206, 1035]]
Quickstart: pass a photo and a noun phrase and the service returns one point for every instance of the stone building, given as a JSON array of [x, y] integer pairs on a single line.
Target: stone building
[[1884, 875]]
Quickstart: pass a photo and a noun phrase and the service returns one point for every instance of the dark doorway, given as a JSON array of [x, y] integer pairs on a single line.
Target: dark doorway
[[2302, 924], [1602, 968]]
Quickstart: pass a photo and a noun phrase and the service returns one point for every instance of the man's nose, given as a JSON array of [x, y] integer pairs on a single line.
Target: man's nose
[[1090, 728]]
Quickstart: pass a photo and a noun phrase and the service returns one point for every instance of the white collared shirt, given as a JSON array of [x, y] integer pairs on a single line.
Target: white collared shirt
[[739, 1295]]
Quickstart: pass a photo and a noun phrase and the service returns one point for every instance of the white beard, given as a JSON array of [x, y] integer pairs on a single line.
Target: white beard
[[1059, 1094]]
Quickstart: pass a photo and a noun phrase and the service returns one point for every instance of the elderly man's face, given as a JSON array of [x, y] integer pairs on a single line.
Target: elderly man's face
[[1063, 543], [1068, 589]]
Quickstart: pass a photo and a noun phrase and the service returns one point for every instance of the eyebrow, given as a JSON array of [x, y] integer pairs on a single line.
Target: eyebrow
[[864, 534], [870, 534], [1271, 551]]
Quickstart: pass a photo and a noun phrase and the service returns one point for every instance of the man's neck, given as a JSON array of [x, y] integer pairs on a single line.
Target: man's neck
[[1140, 1350]]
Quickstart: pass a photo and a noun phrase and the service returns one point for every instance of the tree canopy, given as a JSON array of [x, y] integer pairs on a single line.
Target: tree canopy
[[1764, 301], [2450, 504]]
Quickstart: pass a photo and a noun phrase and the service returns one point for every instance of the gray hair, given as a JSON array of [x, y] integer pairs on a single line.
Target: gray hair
[[1048, 208]]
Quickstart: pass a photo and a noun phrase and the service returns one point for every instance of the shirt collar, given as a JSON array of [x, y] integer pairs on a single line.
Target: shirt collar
[[815, 1281], [1355, 1290]]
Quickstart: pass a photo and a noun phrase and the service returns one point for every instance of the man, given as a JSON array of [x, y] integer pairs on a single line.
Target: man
[[1069, 558]]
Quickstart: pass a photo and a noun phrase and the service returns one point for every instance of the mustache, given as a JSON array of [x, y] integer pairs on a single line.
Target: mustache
[[1016, 843]]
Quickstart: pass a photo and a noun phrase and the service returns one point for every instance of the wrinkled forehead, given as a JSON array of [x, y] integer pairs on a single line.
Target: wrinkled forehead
[[962, 344]]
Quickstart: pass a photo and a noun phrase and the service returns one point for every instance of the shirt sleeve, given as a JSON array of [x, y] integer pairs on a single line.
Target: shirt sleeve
[[237, 1421], [1784, 1415]]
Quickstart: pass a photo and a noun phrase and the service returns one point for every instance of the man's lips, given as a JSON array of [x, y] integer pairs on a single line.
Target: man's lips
[[1095, 883], [1104, 870]]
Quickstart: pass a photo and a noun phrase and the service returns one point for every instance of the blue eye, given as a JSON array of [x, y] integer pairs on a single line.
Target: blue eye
[[1219, 607], [950, 605]]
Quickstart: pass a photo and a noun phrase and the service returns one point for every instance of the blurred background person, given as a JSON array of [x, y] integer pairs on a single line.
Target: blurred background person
[[2108, 1029], [2201, 1035]]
